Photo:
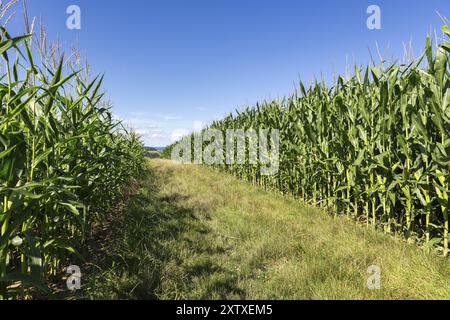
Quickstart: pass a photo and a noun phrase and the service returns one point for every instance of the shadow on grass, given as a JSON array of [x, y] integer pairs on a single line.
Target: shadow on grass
[[148, 246]]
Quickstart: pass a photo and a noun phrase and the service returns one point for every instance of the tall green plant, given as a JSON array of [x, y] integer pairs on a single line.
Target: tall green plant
[[63, 162], [375, 147]]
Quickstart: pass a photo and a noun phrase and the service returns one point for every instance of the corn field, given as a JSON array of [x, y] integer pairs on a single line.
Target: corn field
[[374, 147], [63, 162]]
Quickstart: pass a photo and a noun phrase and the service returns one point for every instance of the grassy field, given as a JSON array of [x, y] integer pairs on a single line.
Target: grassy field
[[194, 233]]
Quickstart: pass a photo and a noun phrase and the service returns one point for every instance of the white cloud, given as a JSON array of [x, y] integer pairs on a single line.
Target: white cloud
[[157, 136], [141, 132], [178, 134], [170, 118], [159, 130]]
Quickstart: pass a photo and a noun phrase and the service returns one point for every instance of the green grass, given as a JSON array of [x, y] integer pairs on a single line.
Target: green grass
[[194, 233]]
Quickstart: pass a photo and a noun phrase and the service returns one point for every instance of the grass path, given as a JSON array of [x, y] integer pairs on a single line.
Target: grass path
[[193, 233]]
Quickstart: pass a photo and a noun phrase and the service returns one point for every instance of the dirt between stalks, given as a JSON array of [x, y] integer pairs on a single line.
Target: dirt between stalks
[[92, 254]]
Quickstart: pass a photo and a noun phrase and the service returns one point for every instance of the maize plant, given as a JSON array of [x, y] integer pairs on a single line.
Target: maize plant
[[374, 147], [63, 161]]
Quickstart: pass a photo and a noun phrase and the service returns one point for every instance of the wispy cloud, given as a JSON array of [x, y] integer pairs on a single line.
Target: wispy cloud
[[159, 130], [158, 136], [152, 129], [170, 117], [178, 134]]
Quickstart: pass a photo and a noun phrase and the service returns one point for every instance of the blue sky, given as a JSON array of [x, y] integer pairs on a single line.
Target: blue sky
[[172, 63]]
